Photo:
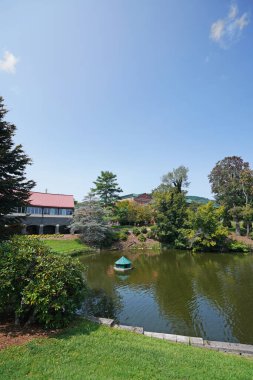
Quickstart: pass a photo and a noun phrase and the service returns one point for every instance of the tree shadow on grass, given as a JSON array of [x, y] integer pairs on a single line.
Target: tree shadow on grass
[[80, 326]]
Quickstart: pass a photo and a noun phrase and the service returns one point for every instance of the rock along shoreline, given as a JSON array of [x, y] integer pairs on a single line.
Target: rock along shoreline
[[235, 348]]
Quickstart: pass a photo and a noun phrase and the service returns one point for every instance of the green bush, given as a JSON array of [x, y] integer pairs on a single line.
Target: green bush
[[149, 235], [237, 246], [136, 231], [38, 286], [144, 230], [152, 233], [123, 235], [142, 238]]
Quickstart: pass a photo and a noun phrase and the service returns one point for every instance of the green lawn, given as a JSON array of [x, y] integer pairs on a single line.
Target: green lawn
[[88, 351], [67, 246]]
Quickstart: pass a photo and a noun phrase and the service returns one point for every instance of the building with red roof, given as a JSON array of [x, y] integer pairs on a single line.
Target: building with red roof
[[47, 213]]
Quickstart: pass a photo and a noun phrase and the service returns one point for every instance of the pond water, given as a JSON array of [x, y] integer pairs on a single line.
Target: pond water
[[178, 292]]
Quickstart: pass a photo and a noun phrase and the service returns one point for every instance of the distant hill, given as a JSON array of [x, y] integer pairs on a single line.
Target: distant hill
[[196, 199]]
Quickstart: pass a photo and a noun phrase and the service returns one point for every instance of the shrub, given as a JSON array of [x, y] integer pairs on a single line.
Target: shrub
[[123, 235], [150, 235], [144, 230], [142, 238], [136, 231], [38, 286], [237, 246]]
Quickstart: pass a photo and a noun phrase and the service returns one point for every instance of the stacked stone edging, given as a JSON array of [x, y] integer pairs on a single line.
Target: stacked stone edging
[[236, 348]]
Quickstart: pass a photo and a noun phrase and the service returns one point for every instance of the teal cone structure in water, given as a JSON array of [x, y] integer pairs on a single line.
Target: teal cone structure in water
[[123, 264]]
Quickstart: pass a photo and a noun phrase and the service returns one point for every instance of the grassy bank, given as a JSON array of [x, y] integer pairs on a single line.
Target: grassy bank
[[71, 246], [89, 351]]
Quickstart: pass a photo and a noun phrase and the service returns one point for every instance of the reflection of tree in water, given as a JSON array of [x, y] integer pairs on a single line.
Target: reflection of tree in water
[[102, 300], [196, 293], [97, 303], [228, 282], [174, 289], [225, 284]]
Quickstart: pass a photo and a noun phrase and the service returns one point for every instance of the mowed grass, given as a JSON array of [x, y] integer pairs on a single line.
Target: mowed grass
[[67, 246], [88, 351]]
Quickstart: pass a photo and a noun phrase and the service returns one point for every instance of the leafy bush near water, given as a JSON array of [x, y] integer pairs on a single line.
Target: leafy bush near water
[[123, 235], [237, 246], [136, 231], [38, 286], [142, 238]]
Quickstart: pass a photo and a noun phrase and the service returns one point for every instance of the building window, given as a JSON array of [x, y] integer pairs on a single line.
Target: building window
[[34, 210], [50, 211], [65, 211], [53, 211]]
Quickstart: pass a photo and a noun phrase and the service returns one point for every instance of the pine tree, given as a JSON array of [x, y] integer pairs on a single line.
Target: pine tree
[[107, 188], [14, 187]]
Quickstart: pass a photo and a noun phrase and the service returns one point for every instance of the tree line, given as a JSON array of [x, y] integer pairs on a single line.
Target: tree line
[[176, 223]]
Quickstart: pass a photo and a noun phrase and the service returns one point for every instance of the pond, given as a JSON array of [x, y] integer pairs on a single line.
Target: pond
[[208, 295]]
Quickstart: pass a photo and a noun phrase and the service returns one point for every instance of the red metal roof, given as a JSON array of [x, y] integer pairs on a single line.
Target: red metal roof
[[51, 200]]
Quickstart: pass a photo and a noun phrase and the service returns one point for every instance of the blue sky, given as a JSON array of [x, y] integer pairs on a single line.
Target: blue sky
[[134, 87]]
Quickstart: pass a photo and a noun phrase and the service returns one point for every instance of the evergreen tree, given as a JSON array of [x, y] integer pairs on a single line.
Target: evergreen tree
[[14, 187], [107, 188]]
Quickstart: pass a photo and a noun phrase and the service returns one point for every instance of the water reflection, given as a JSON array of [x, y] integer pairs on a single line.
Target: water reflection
[[208, 295]]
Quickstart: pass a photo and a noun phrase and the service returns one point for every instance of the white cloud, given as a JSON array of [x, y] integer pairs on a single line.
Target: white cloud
[[233, 11], [217, 30], [242, 21], [8, 63], [228, 30]]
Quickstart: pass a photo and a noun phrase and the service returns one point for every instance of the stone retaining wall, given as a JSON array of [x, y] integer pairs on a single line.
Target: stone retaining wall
[[236, 348]]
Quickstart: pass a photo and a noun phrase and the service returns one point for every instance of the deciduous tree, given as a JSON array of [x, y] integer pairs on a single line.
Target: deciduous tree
[[178, 178], [90, 221], [206, 230], [229, 181]]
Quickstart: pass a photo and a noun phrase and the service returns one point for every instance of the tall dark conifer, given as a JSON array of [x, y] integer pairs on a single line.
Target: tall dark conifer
[[14, 187]]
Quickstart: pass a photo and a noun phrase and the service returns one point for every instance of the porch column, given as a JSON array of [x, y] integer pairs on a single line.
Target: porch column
[[57, 228], [41, 229], [23, 232]]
